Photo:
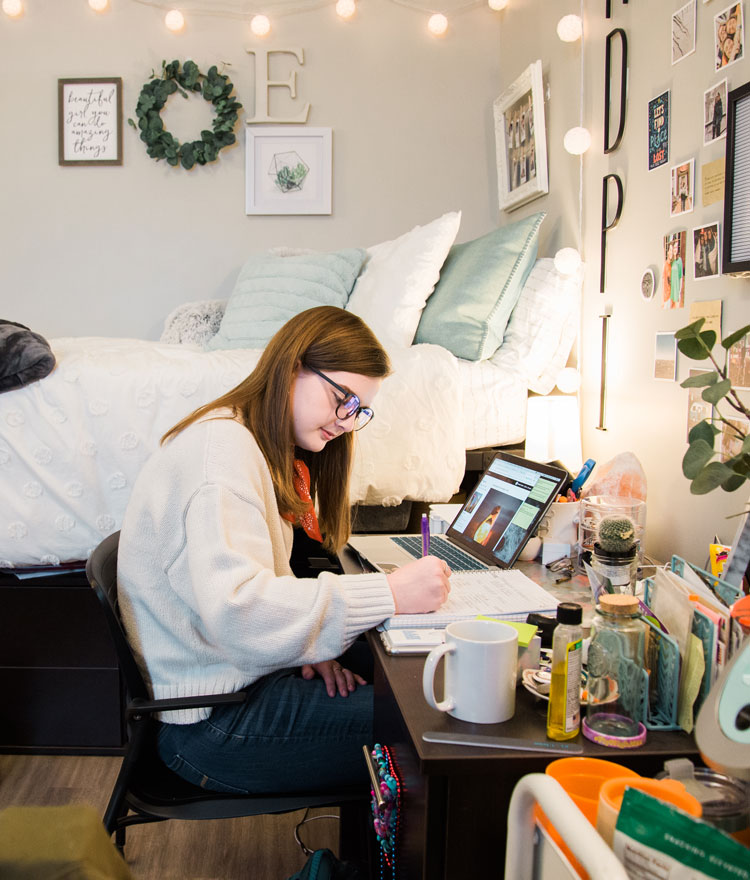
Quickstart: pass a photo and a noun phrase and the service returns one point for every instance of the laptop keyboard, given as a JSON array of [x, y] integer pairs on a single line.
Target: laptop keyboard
[[457, 559]]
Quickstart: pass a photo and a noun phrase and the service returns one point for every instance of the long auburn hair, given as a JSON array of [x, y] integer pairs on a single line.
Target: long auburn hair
[[326, 338]]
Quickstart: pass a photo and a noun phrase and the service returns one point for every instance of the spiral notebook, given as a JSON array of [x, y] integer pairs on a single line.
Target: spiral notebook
[[507, 595]]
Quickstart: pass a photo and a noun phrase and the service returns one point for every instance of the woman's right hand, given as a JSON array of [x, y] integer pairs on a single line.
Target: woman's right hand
[[420, 586]]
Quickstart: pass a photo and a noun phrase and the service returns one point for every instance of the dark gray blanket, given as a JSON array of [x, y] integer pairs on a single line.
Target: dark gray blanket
[[25, 356]]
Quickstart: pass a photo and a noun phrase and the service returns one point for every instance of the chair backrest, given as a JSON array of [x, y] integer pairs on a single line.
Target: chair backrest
[[101, 571]]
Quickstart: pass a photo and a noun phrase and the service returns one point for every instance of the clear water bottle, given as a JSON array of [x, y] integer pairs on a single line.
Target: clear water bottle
[[615, 672]]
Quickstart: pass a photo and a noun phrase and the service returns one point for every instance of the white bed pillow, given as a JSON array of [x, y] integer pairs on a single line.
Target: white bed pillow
[[543, 326], [399, 276]]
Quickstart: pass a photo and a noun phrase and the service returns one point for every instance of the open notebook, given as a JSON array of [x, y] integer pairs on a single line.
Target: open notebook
[[507, 595]]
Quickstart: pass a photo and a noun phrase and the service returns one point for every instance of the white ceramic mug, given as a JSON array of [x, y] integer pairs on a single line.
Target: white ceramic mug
[[480, 671]]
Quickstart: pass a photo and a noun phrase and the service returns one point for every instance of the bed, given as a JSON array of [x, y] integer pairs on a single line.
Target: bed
[[73, 442]]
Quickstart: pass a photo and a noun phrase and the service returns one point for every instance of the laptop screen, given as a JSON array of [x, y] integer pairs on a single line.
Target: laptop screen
[[505, 507]]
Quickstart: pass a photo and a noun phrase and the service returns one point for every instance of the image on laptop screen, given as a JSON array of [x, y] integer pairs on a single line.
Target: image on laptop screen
[[505, 508]]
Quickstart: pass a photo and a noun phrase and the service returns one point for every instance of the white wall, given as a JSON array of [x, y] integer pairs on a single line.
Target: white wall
[[645, 416], [111, 250]]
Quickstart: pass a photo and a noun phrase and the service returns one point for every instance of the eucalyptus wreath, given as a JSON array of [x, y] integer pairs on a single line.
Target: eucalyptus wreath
[[214, 86]]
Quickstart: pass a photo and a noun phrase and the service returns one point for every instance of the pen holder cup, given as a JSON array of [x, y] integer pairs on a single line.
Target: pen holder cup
[[594, 508]]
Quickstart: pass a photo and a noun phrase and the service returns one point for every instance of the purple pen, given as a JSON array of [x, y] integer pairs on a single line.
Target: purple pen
[[425, 534]]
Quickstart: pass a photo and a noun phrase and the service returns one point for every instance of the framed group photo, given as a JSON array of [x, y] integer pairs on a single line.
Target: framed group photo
[[288, 169], [520, 140]]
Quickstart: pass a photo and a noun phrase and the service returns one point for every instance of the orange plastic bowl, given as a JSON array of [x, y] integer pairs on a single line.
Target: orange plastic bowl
[[582, 779]]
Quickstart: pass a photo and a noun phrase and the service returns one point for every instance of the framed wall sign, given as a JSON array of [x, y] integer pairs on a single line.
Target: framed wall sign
[[89, 114], [736, 245], [520, 140], [288, 169]]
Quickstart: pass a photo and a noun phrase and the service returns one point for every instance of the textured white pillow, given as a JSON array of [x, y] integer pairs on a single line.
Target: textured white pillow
[[543, 326], [399, 276]]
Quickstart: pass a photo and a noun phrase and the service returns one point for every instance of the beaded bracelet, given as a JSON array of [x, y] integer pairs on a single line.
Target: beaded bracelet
[[386, 818]]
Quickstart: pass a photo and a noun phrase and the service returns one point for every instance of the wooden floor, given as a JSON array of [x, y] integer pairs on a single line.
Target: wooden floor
[[261, 847]]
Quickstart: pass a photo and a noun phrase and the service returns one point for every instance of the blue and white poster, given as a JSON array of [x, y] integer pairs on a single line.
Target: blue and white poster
[[658, 131]]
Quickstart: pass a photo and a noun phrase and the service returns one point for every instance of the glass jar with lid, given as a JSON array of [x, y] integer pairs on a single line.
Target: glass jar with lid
[[616, 686]]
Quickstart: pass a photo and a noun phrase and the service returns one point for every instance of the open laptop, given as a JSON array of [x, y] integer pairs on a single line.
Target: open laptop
[[492, 527]]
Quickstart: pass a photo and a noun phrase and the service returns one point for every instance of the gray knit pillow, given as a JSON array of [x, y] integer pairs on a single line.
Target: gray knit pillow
[[24, 356]]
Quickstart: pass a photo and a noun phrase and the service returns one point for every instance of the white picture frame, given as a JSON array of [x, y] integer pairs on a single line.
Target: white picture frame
[[520, 140], [288, 169]]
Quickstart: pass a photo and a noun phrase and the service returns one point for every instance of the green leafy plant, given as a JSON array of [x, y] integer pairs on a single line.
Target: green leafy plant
[[213, 86], [699, 464]]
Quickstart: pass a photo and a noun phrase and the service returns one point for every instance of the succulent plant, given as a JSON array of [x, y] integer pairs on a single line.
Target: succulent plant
[[616, 534]]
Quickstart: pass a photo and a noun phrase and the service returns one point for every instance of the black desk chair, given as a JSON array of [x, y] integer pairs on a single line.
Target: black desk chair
[[146, 790]]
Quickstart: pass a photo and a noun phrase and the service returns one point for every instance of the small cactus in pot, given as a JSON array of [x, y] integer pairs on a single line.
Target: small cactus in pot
[[616, 535]]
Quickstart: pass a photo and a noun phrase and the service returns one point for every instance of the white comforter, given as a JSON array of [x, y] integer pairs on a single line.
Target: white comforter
[[72, 444]]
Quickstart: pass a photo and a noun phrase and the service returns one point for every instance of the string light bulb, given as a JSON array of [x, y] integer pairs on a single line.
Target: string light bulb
[[260, 25], [345, 8], [577, 140], [570, 28], [567, 261], [497, 5], [13, 8], [174, 20], [568, 379], [98, 5], [437, 25]]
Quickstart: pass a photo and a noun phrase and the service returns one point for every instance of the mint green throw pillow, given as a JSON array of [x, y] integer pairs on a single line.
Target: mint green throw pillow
[[271, 289], [480, 283]]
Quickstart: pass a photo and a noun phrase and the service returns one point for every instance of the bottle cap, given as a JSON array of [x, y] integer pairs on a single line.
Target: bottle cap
[[618, 603], [570, 613]]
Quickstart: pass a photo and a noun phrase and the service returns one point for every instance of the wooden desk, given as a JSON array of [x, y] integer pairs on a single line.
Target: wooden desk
[[455, 798]]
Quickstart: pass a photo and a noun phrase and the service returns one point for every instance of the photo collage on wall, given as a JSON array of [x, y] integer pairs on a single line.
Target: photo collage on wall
[[693, 253], [519, 141]]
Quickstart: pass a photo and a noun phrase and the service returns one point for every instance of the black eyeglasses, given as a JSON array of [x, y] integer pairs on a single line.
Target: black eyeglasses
[[349, 405]]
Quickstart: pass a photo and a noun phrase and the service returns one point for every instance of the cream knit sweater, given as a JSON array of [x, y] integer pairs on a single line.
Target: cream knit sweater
[[206, 593]]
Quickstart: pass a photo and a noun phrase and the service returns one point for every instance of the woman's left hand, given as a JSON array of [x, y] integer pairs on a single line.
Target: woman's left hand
[[336, 678]]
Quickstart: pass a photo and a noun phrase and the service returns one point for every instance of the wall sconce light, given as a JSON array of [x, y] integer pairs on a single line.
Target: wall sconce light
[[553, 430], [570, 28], [174, 20], [346, 8], [437, 24], [497, 5], [260, 25], [577, 140], [13, 8], [98, 5]]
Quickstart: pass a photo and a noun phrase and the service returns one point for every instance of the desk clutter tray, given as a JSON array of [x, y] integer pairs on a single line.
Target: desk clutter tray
[[664, 655]]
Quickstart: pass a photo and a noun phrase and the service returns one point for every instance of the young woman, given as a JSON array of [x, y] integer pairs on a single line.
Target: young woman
[[206, 592]]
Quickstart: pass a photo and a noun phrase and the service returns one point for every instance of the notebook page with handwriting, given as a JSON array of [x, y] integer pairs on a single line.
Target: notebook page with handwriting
[[504, 594]]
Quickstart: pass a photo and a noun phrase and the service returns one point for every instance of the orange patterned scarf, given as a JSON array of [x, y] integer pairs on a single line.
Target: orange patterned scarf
[[308, 520]]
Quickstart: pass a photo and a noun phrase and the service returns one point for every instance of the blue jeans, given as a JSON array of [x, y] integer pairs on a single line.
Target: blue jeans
[[288, 735]]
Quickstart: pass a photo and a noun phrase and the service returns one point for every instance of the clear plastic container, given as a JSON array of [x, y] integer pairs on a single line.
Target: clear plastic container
[[615, 662], [595, 508]]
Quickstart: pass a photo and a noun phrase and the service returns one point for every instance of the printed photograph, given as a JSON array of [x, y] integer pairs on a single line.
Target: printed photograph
[[714, 112], [738, 363], [733, 432], [729, 37], [683, 32], [658, 131], [682, 194], [698, 408], [665, 357], [673, 272], [706, 252]]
